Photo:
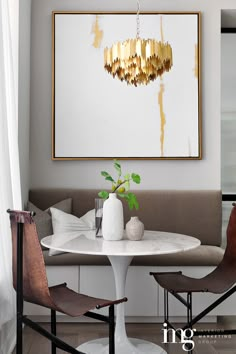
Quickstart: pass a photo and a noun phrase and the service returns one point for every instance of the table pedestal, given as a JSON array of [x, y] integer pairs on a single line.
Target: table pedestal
[[123, 344], [131, 346]]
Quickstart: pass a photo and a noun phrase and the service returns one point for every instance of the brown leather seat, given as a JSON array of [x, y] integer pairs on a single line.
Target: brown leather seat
[[219, 281], [30, 283]]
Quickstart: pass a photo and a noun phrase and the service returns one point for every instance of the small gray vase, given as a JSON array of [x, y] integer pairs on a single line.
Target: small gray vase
[[134, 229]]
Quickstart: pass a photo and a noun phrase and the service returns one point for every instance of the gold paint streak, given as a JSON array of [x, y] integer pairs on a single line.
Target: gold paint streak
[[98, 34], [196, 62], [162, 116]]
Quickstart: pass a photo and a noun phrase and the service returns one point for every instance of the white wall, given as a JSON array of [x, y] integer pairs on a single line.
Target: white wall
[[24, 93], [204, 174]]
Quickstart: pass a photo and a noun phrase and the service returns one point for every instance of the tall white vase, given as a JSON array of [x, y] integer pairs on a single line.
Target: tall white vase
[[113, 219]]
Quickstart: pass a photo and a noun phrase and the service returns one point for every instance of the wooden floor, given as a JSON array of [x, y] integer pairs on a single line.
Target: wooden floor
[[76, 334]]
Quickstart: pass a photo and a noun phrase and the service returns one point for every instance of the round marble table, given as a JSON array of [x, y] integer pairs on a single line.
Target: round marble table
[[120, 254]]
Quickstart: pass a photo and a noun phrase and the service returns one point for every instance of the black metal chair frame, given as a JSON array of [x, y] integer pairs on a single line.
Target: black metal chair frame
[[21, 318], [190, 320], [224, 268]]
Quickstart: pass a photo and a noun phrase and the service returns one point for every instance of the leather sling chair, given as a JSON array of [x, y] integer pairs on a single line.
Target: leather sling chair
[[30, 283], [219, 281]]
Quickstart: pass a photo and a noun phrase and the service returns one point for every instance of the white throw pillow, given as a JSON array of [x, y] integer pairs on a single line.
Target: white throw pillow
[[64, 224], [89, 219]]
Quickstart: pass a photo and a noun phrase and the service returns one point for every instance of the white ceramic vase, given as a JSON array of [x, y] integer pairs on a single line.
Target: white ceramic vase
[[134, 229], [113, 219]]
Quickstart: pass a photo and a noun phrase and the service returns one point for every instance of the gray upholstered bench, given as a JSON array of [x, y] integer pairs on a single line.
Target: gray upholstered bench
[[195, 213]]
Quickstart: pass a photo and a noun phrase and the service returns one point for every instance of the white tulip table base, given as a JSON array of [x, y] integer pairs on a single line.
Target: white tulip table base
[[129, 346]]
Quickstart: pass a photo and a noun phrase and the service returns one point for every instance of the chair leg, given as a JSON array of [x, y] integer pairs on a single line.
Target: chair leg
[[53, 329], [189, 309], [19, 289], [166, 311], [111, 330], [19, 343], [189, 315], [166, 306]]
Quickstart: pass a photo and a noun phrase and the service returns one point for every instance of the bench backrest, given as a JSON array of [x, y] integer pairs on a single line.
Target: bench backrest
[[196, 213]]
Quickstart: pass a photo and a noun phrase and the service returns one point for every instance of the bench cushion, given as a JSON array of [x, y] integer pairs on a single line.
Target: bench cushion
[[201, 256]]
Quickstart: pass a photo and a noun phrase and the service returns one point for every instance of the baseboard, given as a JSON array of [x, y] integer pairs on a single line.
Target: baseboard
[[9, 335], [129, 319]]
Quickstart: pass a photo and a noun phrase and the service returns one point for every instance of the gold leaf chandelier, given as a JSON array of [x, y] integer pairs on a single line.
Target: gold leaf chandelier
[[138, 61]]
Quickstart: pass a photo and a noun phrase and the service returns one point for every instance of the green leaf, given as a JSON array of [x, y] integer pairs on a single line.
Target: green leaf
[[126, 196], [135, 203], [117, 167], [109, 178], [105, 174], [136, 178], [127, 186], [116, 162], [132, 201], [127, 177], [103, 194]]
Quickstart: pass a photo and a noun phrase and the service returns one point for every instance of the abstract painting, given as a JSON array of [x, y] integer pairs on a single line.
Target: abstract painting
[[95, 116]]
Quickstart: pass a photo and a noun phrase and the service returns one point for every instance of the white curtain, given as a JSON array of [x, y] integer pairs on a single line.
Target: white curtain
[[10, 192]]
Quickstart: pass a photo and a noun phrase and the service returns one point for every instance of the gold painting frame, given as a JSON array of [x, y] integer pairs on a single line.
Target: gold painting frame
[[93, 154]]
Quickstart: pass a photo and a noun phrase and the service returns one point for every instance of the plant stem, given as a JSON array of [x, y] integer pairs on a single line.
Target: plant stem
[[126, 180]]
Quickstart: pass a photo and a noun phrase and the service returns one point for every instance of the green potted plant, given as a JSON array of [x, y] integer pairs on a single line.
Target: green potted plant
[[113, 221], [121, 185]]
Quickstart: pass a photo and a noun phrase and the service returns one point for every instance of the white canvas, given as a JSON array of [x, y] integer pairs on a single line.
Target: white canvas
[[97, 116]]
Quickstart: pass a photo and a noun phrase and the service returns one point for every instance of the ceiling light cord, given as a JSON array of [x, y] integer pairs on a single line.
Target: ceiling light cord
[[138, 19]]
